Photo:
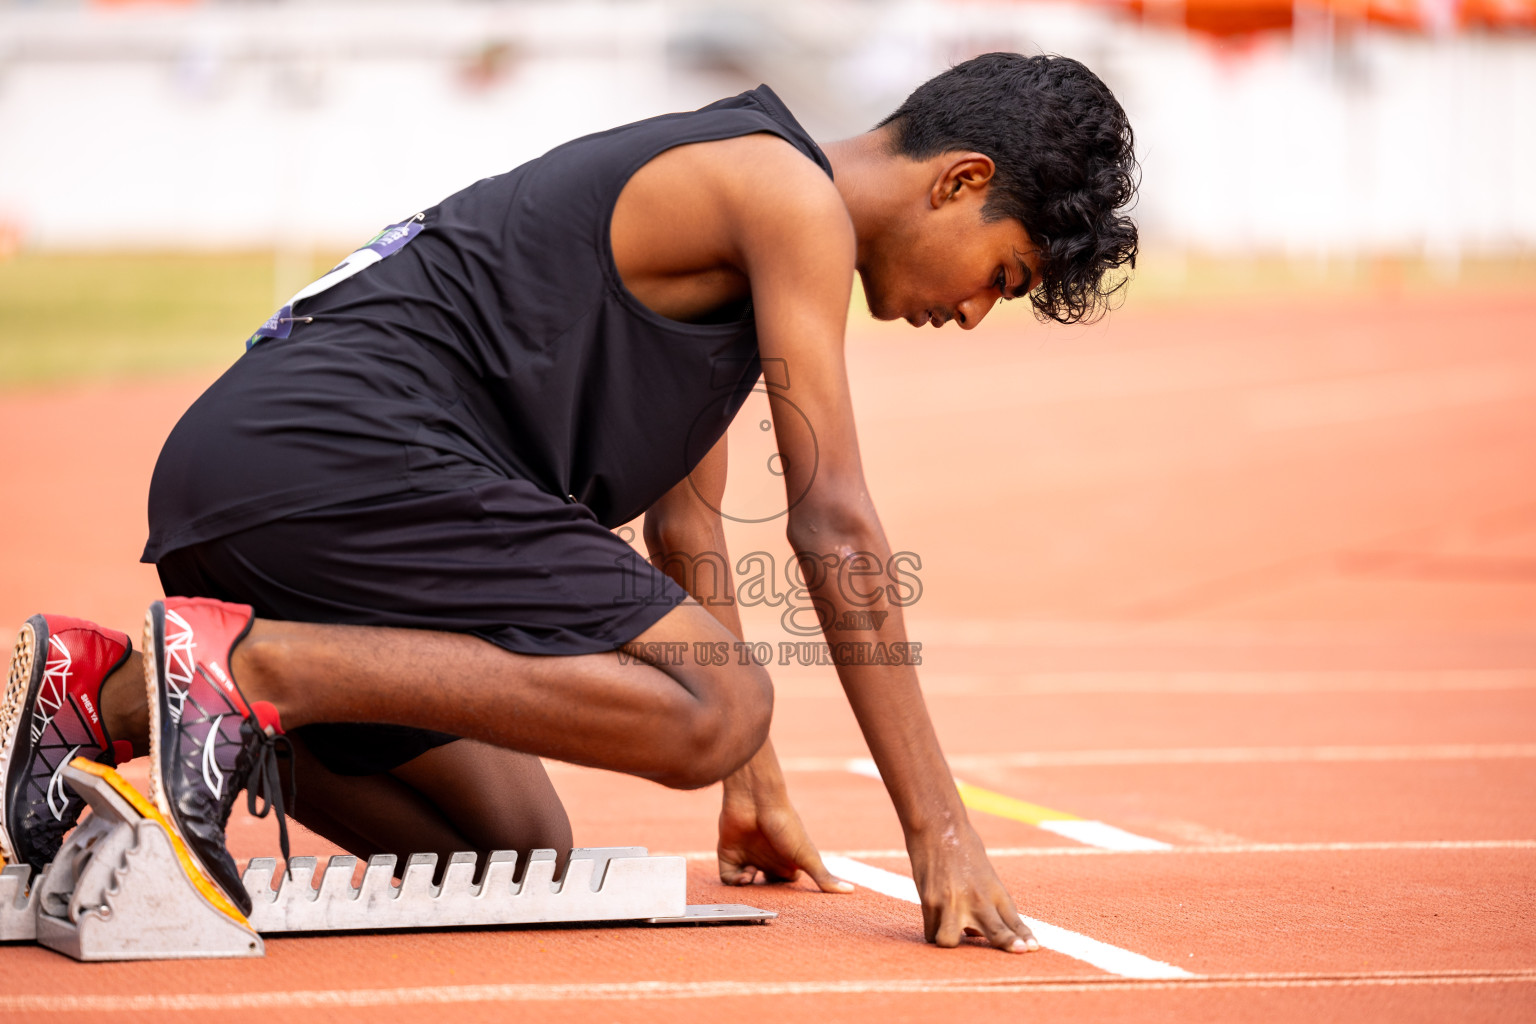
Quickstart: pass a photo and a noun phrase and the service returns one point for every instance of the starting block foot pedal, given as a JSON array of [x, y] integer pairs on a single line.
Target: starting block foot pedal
[[124, 887]]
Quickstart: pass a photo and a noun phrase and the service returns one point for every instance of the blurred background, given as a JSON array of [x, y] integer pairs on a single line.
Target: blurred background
[[1306, 128], [1294, 141], [1289, 140], [1317, 400]]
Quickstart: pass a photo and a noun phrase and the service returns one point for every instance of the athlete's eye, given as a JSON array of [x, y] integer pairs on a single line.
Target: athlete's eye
[[1001, 283]]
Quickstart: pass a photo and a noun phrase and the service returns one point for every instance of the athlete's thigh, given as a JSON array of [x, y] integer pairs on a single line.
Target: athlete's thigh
[[687, 652], [663, 707]]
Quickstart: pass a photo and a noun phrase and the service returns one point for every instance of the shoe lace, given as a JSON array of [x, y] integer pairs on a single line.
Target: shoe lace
[[264, 783]]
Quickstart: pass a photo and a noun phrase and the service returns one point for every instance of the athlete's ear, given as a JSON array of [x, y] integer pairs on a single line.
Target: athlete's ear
[[959, 172]]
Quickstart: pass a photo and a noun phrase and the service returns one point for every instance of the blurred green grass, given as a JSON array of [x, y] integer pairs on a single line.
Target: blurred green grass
[[67, 317], [79, 316]]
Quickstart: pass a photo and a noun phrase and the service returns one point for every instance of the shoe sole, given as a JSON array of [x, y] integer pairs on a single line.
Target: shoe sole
[[154, 653], [20, 686]]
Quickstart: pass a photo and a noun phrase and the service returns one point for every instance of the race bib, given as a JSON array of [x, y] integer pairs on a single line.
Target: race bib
[[383, 245]]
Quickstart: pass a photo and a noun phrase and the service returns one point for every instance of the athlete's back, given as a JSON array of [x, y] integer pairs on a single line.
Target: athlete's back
[[498, 341]]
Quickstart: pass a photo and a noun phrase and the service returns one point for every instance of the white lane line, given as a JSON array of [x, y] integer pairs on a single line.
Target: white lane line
[[1194, 755], [1101, 835], [1398, 846], [631, 991], [1034, 684], [1102, 955], [864, 766], [1068, 826]]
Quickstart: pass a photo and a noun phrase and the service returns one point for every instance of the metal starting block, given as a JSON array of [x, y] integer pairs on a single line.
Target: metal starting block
[[18, 904], [124, 887]]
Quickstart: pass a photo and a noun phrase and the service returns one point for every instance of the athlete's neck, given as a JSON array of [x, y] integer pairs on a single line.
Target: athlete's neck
[[878, 186]]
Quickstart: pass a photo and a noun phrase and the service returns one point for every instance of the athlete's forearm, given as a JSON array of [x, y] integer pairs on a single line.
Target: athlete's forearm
[[676, 547], [889, 707], [876, 665]]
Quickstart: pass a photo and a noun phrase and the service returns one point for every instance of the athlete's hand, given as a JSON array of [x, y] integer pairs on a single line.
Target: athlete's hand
[[761, 833], [962, 894]]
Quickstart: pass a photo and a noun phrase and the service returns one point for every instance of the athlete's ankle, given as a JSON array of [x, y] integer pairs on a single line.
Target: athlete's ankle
[[124, 711], [259, 665]]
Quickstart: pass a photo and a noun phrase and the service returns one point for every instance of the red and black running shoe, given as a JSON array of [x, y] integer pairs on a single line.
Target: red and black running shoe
[[206, 742], [51, 714]]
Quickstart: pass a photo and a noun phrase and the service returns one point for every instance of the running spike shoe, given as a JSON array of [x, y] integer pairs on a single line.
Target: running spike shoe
[[207, 743], [51, 714]]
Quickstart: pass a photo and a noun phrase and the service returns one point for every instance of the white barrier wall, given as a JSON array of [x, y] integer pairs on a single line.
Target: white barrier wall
[[312, 124]]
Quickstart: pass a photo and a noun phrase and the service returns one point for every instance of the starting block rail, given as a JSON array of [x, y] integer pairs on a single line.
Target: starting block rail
[[599, 885], [123, 887]]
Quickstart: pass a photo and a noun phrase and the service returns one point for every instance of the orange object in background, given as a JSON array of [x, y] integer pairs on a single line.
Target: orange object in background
[[1496, 14], [1217, 17], [1239, 17]]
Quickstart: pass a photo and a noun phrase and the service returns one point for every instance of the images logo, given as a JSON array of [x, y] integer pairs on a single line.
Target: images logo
[[764, 486]]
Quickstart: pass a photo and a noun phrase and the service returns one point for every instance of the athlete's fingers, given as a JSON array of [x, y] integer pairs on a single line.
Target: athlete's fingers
[[947, 934], [826, 881], [998, 934], [781, 872], [773, 867], [1014, 920], [737, 874]]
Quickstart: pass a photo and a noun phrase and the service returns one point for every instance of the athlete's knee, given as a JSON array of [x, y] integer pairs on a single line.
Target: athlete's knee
[[547, 831], [546, 824], [726, 726], [516, 823]]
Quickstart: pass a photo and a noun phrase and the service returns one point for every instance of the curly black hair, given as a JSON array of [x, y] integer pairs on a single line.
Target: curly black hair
[[1062, 146]]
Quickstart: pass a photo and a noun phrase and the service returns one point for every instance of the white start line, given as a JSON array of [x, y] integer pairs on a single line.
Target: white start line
[[1117, 961]]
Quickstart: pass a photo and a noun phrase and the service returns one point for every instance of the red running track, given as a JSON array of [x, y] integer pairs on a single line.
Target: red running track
[[1255, 581]]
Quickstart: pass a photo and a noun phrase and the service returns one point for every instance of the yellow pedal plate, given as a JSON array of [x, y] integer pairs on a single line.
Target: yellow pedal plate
[[194, 872]]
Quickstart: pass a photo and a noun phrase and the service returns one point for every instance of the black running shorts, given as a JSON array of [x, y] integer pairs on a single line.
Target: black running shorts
[[504, 561]]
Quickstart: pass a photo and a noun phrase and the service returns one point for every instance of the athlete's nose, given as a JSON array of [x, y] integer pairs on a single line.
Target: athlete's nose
[[970, 312]]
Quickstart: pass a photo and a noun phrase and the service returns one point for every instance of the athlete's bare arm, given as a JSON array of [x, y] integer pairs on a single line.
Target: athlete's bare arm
[[708, 224]]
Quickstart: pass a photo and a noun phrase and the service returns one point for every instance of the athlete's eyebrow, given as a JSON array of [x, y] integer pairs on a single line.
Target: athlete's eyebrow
[[1025, 278]]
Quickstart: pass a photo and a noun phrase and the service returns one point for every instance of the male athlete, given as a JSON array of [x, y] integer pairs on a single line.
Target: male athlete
[[386, 529]]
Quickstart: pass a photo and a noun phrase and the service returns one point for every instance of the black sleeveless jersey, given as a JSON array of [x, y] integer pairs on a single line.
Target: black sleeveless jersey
[[495, 340]]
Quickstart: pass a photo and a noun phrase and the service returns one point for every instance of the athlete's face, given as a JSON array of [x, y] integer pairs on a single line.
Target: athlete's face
[[944, 261]]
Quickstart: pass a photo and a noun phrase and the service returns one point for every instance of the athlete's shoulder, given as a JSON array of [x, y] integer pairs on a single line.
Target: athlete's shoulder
[[763, 160], [764, 177], [710, 204]]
